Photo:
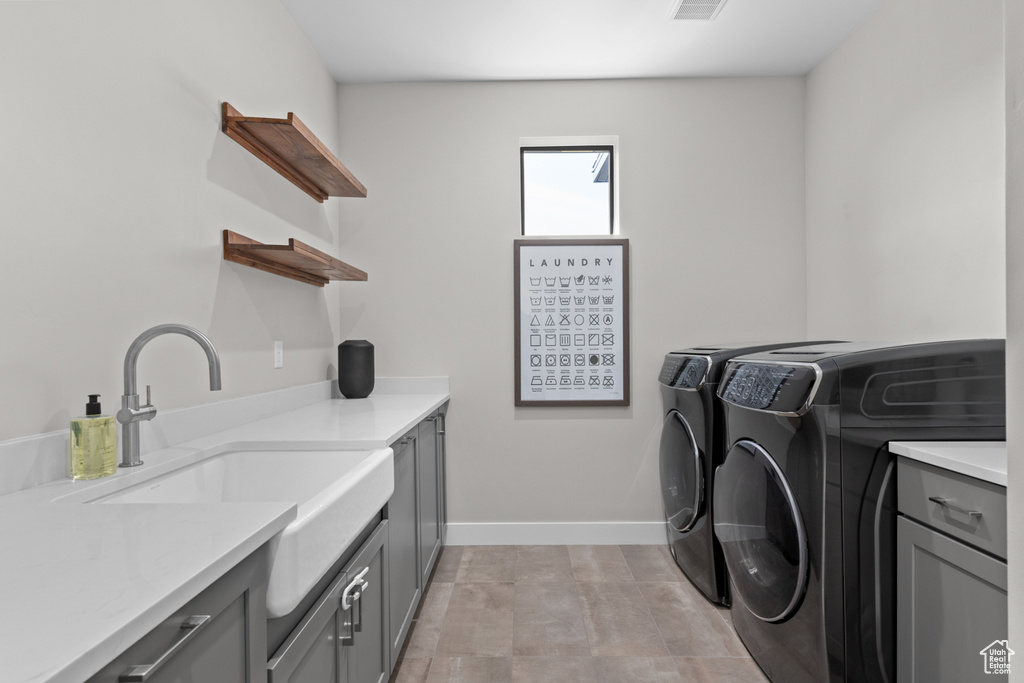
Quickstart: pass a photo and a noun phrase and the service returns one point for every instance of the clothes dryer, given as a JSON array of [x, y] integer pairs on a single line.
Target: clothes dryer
[[692, 446], [804, 501]]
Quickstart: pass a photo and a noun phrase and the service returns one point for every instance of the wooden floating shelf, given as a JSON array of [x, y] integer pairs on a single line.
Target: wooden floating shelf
[[288, 147], [294, 260]]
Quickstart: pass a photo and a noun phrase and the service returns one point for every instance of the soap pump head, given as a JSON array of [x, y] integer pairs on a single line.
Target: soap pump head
[[93, 406]]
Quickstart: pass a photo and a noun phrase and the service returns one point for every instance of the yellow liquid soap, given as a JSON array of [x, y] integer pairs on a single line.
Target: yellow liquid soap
[[93, 443]]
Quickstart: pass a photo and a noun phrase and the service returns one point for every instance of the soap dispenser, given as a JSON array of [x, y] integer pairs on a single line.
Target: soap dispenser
[[93, 443]]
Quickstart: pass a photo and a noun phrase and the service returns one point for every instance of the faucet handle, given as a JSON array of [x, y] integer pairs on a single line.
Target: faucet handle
[[149, 396]]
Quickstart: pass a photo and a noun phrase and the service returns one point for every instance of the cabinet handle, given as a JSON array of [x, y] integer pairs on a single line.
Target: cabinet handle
[[956, 508], [432, 418], [141, 672], [350, 601]]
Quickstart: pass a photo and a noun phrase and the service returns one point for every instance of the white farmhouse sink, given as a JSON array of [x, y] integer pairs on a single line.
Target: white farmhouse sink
[[337, 493]]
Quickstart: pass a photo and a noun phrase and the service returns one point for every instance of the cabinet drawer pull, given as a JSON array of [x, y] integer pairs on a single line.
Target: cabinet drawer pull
[[956, 508], [350, 602], [141, 672]]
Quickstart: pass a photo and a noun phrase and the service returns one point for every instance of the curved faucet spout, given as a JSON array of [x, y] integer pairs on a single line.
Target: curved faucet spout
[[131, 412], [132, 357]]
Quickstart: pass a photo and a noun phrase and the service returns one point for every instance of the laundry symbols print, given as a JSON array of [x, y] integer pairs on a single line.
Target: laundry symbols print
[[574, 324]]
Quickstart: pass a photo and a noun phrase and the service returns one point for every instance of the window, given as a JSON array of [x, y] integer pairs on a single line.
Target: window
[[567, 189]]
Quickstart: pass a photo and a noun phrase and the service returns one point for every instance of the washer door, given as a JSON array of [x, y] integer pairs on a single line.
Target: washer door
[[758, 524], [682, 473]]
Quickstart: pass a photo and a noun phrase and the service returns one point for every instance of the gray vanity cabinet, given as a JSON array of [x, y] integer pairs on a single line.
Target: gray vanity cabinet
[[951, 576], [343, 636], [220, 635]]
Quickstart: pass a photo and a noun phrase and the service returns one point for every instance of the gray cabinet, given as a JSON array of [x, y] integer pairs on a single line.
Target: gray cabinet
[[418, 515], [220, 635], [368, 660], [951, 586], [343, 636], [429, 489], [442, 457], [404, 580]]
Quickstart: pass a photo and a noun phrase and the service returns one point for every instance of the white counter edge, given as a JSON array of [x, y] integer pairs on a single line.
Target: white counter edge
[[985, 460]]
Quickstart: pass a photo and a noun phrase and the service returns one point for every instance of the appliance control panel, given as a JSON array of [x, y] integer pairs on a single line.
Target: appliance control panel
[[684, 372], [765, 386]]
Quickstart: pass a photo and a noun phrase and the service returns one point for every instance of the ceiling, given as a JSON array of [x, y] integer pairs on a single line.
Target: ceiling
[[365, 41]]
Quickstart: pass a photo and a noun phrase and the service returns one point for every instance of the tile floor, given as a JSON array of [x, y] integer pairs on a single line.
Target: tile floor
[[616, 614]]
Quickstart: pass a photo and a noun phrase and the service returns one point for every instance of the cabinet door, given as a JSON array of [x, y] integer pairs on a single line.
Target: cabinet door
[[951, 606], [429, 472], [220, 635], [442, 477], [311, 653], [367, 619], [403, 546]]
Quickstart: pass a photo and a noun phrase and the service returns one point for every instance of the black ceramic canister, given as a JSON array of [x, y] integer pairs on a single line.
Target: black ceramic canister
[[355, 368]]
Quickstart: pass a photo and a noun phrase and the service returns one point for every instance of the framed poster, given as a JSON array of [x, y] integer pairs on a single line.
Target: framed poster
[[572, 322]]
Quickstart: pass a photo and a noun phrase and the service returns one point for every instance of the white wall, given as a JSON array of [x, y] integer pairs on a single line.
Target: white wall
[[711, 201], [115, 185], [905, 169], [1014, 33]]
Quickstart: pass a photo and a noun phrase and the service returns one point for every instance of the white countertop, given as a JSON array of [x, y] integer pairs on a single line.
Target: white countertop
[[985, 460], [79, 583]]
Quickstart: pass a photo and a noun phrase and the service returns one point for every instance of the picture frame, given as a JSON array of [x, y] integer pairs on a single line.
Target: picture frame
[[572, 322]]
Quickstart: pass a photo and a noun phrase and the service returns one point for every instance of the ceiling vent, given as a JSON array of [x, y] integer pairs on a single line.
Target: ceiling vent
[[696, 10]]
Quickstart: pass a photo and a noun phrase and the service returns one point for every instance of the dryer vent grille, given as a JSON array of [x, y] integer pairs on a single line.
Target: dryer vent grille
[[696, 10]]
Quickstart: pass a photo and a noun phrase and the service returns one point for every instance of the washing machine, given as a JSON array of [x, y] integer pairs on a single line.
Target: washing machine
[[804, 501], [692, 446]]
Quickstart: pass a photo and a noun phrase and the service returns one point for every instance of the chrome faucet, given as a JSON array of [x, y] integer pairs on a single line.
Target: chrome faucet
[[131, 414]]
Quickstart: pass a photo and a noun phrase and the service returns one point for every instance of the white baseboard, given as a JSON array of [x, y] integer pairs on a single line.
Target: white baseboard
[[542, 533]]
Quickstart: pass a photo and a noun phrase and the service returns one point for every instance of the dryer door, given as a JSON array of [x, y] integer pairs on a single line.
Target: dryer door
[[682, 473], [758, 524]]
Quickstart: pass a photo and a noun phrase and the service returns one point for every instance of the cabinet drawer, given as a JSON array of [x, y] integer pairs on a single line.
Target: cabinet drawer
[[220, 635], [964, 507]]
